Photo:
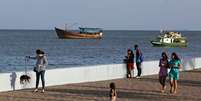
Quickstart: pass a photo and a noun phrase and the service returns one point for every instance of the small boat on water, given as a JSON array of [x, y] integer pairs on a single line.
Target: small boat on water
[[170, 39], [83, 33]]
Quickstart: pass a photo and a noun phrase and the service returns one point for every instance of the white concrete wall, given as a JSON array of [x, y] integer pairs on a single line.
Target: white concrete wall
[[89, 73]]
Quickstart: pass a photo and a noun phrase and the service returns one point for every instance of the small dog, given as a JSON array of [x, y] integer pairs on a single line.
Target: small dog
[[24, 79]]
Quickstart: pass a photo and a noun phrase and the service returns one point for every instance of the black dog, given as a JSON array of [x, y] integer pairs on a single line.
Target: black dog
[[24, 78]]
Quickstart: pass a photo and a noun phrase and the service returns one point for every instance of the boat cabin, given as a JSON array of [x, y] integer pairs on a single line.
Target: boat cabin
[[90, 30], [172, 39], [167, 40]]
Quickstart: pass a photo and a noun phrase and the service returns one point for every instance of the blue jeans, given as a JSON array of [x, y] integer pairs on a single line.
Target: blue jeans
[[42, 75], [139, 69]]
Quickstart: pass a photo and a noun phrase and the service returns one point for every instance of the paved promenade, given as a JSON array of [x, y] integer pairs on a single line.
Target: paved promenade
[[145, 89]]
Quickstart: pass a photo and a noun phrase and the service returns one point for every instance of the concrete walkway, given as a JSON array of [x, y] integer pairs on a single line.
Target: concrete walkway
[[145, 89]]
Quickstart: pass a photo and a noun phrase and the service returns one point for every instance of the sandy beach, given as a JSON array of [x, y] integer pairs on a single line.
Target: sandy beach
[[146, 88]]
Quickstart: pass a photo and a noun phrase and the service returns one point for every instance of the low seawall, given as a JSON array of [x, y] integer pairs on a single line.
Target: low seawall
[[11, 80]]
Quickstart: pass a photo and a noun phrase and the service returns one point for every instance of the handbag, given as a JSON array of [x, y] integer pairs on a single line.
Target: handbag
[[35, 70]]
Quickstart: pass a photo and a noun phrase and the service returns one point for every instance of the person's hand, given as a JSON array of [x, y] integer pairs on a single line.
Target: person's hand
[[162, 64], [170, 65], [27, 57]]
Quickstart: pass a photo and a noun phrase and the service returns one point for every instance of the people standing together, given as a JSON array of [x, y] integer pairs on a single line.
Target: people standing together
[[130, 62], [174, 65]]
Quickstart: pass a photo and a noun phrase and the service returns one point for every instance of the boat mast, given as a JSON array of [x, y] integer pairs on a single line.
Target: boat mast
[[66, 27], [161, 31]]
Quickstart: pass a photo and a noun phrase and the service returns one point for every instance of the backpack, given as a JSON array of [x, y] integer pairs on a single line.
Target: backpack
[[141, 58]]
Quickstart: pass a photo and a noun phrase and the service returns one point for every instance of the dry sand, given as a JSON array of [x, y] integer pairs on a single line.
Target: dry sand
[[145, 89]]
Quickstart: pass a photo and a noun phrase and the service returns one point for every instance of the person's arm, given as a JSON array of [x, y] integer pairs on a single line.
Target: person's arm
[[170, 64], [167, 65], [45, 61], [159, 63], [180, 65], [137, 53], [31, 57], [132, 56], [115, 92]]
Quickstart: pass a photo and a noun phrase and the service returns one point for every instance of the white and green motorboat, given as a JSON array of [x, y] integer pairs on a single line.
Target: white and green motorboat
[[170, 39]]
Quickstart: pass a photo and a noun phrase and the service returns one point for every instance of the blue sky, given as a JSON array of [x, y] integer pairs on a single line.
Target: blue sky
[[107, 14]]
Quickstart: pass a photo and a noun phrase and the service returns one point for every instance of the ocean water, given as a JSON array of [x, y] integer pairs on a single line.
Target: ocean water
[[64, 53]]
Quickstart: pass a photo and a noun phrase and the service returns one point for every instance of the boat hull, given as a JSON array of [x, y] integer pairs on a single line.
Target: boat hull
[[62, 34], [161, 44]]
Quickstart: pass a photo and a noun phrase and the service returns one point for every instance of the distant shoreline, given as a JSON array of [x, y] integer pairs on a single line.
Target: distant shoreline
[[103, 30]]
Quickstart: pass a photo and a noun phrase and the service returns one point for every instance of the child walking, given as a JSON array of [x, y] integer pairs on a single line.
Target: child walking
[[163, 64], [113, 92]]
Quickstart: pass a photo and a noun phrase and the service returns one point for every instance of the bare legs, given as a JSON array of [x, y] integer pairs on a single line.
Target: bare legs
[[173, 85], [162, 80]]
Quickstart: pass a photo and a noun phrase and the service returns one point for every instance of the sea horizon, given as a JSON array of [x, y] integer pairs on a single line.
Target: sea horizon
[[62, 53], [30, 29]]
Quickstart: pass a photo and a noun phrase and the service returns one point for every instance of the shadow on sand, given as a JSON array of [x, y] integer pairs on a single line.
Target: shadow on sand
[[13, 77], [181, 82], [121, 94]]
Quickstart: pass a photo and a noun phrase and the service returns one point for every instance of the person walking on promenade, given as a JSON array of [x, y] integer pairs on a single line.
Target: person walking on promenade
[[163, 72], [175, 65], [40, 67], [113, 92], [130, 63], [139, 60]]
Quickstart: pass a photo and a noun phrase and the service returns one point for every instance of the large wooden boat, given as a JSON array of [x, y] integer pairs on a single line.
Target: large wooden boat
[[83, 33], [170, 39]]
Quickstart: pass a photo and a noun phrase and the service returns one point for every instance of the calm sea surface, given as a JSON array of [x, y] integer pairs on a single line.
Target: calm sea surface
[[16, 44]]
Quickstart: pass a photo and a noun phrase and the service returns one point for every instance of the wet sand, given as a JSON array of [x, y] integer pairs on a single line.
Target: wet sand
[[146, 88]]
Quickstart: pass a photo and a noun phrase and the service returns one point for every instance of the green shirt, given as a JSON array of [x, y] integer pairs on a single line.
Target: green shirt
[[175, 63]]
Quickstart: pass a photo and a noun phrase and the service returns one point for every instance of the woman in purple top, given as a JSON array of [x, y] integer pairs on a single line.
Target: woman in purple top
[[163, 73]]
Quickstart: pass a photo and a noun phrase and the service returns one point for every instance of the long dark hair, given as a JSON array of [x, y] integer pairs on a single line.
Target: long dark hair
[[112, 85], [129, 50], [164, 54], [39, 51], [175, 56], [136, 46]]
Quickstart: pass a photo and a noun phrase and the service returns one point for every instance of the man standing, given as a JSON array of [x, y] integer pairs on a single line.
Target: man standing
[[139, 60]]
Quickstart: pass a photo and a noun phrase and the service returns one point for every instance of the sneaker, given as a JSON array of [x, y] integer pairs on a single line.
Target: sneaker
[[137, 77], [43, 91], [36, 90]]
